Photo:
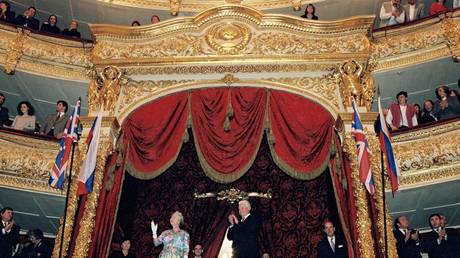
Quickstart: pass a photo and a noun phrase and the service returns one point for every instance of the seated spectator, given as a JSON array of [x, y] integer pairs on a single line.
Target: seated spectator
[[55, 123], [154, 19], [4, 116], [72, 30], [438, 7], [6, 14], [332, 244], [413, 10], [407, 240], [418, 112], [125, 252], [51, 25], [28, 19], [310, 12], [391, 13], [401, 114], [428, 114], [9, 232], [456, 4], [446, 106], [135, 23], [25, 120], [37, 247], [439, 242]]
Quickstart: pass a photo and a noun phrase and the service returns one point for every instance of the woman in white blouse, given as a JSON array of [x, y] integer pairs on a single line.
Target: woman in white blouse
[[25, 120]]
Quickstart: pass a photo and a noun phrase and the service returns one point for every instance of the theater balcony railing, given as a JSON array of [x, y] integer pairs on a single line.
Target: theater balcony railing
[[26, 160], [429, 153]]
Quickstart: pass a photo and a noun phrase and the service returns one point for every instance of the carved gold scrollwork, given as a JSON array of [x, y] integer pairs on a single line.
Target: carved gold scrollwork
[[14, 51], [233, 195], [451, 32], [228, 38], [104, 88], [296, 5]]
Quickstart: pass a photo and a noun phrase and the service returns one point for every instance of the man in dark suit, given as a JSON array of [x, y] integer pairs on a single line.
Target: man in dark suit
[[407, 240], [244, 233], [332, 245], [440, 242], [28, 19], [4, 117], [55, 123], [9, 234]]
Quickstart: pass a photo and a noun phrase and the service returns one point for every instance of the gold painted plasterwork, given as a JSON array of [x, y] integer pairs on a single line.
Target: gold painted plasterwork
[[25, 162], [15, 51], [451, 31], [365, 240]]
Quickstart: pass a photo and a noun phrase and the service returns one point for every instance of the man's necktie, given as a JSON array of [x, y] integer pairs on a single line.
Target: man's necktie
[[332, 244]]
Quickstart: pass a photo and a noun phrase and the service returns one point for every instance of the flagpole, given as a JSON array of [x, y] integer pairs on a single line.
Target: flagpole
[[69, 181], [384, 204]]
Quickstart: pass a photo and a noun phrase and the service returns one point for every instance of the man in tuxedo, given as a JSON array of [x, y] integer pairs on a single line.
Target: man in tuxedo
[[407, 240], [28, 19], [245, 232], [440, 242], [197, 251], [55, 123], [331, 246], [9, 235]]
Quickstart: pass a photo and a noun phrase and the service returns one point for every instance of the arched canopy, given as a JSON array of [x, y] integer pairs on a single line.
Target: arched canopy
[[228, 125]]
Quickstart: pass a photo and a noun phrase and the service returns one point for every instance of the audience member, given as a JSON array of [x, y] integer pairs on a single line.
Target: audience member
[[154, 19], [4, 116], [439, 243], [413, 10], [428, 114], [28, 19], [135, 23], [6, 14], [175, 241], [438, 7], [418, 112], [407, 240], [401, 114], [265, 255], [332, 245], [446, 106], [51, 25], [55, 123], [456, 4], [125, 250], [37, 247], [391, 13], [72, 30], [310, 12], [197, 251], [9, 235], [25, 120]]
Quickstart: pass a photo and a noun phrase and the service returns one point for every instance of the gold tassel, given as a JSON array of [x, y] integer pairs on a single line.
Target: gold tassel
[[186, 137], [230, 113]]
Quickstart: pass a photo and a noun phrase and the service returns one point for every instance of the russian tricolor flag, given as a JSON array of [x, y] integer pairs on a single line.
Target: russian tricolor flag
[[86, 176], [387, 149]]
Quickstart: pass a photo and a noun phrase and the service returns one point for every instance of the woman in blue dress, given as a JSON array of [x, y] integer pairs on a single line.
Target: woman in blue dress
[[175, 241]]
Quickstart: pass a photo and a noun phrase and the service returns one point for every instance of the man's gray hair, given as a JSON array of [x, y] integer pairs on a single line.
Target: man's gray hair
[[245, 203]]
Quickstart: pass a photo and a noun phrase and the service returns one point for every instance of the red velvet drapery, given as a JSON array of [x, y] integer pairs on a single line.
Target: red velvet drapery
[[228, 125]]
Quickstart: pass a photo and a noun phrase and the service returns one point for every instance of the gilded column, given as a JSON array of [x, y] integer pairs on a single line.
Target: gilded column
[[109, 133], [363, 221], [374, 146]]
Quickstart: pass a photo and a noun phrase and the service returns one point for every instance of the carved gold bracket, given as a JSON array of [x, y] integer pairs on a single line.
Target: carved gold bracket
[[233, 195], [175, 5], [356, 82], [14, 52], [451, 32]]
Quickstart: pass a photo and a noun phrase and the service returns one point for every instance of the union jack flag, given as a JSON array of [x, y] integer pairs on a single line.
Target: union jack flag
[[70, 135], [364, 167]]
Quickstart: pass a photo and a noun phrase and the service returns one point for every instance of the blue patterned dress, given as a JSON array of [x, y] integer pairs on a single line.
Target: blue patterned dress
[[175, 244]]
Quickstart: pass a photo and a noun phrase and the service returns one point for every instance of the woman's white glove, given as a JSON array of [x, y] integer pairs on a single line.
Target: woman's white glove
[[154, 229]]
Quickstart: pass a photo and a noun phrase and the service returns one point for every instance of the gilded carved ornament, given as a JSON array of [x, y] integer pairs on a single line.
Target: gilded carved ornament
[[357, 84], [15, 51], [451, 31], [104, 88], [174, 6], [228, 38]]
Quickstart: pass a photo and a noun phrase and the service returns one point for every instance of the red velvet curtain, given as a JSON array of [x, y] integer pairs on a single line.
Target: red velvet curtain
[[302, 132], [227, 153], [154, 135]]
